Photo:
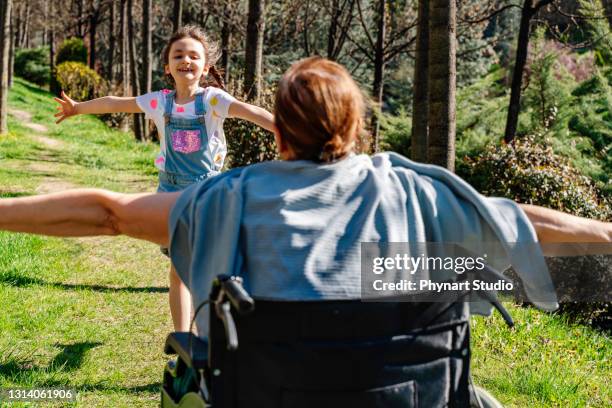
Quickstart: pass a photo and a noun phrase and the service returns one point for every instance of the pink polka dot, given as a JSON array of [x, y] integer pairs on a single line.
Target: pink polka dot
[[153, 103], [166, 91], [180, 109]]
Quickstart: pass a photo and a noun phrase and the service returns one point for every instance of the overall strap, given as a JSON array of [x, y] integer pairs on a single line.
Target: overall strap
[[168, 105], [200, 109]]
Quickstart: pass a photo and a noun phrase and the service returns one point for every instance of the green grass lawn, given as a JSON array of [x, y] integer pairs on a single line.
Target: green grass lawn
[[92, 314], [89, 314]]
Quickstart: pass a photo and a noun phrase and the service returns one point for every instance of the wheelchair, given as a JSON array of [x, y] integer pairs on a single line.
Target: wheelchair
[[344, 353]]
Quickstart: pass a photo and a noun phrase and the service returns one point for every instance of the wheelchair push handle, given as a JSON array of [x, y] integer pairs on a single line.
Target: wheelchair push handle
[[232, 286], [228, 290]]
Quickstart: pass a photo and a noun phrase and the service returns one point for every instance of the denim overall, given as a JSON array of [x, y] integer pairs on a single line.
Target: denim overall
[[188, 158]]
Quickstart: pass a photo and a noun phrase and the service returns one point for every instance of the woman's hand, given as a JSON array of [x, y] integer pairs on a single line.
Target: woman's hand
[[67, 108]]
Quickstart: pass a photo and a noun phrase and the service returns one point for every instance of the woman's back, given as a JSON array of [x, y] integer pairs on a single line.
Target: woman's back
[[294, 229]]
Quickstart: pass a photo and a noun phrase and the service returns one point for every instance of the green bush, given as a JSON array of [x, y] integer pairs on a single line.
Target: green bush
[[79, 81], [531, 173], [598, 30], [547, 84], [591, 118], [72, 49], [395, 131], [248, 143], [33, 64]]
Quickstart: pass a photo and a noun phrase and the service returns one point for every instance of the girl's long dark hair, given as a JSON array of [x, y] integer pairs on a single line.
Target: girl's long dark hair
[[211, 54]]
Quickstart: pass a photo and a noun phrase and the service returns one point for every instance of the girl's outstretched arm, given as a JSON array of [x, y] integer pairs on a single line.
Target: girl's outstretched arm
[[252, 113], [107, 104], [88, 212]]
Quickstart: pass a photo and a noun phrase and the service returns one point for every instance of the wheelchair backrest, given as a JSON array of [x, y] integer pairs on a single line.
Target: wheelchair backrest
[[342, 353]]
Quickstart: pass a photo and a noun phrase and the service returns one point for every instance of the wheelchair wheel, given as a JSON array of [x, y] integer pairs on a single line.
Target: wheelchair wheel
[[189, 400], [484, 399]]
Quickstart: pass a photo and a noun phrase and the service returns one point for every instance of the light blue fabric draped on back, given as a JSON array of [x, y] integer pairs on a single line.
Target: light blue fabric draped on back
[[293, 229]]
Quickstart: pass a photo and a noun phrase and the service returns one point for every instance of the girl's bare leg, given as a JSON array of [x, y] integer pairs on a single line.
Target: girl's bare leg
[[180, 302]]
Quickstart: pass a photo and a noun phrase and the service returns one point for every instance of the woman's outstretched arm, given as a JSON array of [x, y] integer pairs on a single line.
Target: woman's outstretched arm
[[88, 212], [555, 226]]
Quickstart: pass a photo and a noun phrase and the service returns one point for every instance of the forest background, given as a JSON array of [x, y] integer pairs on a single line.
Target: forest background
[[514, 95]]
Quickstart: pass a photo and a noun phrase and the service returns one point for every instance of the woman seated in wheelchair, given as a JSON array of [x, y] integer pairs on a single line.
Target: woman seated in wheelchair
[[293, 228]]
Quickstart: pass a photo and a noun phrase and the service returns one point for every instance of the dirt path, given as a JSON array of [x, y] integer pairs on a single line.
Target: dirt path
[[26, 118], [50, 183]]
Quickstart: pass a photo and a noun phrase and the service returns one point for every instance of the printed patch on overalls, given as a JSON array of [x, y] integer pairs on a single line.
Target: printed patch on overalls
[[186, 141], [219, 159]]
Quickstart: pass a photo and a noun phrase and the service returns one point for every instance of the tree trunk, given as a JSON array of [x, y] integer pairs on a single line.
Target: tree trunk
[[110, 72], [517, 76], [441, 83], [125, 65], [45, 34], [608, 6], [145, 86], [138, 128], [519, 67], [420, 126], [17, 32], [79, 26], [226, 38], [123, 50], [379, 72], [333, 27], [53, 85], [11, 50], [4, 62], [528, 11], [177, 15], [146, 46], [21, 31], [305, 38], [93, 25], [254, 49], [26, 27], [340, 21]]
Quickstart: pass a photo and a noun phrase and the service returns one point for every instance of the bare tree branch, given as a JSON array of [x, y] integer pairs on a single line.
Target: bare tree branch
[[401, 34], [565, 44], [365, 27], [367, 53], [489, 16], [392, 53], [575, 17], [488, 43]]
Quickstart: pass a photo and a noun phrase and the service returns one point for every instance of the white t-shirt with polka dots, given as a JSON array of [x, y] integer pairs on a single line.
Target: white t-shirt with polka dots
[[216, 104]]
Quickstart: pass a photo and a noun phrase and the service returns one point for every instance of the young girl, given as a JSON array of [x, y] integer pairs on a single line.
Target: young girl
[[189, 120]]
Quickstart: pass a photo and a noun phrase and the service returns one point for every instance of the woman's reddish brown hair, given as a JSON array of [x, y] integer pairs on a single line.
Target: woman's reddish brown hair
[[319, 110], [211, 50]]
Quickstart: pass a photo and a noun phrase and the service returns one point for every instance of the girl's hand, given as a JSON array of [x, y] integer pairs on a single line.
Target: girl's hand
[[67, 107]]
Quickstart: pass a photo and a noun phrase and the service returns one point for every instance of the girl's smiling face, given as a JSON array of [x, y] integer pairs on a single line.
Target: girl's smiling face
[[186, 61]]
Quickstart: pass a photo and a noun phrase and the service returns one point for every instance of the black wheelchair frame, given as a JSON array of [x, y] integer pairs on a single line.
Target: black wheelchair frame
[[323, 354]]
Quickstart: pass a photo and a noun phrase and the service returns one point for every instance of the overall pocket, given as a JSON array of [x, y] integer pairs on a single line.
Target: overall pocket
[[186, 141]]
